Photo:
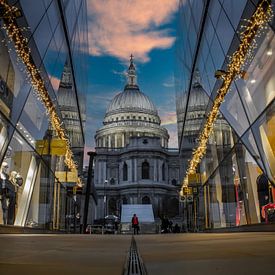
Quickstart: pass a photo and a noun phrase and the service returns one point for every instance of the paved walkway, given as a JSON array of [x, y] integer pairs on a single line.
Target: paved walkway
[[237, 253], [197, 254]]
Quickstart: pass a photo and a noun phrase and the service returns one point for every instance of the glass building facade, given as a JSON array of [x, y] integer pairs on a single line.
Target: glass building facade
[[237, 175], [31, 194]]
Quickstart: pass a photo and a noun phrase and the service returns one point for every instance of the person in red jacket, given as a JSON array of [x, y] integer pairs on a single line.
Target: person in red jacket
[[135, 224]]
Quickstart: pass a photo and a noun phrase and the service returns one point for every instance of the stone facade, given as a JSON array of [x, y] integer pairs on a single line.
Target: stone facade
[[133, 163]]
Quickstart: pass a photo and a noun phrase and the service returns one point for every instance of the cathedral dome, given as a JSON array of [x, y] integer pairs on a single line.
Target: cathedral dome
[[130, 114], [131, 99], [198, 96], [198, 99]]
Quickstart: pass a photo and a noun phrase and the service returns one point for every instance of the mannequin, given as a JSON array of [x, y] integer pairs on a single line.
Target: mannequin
[[3, 178], [7, 192], [17, 181]]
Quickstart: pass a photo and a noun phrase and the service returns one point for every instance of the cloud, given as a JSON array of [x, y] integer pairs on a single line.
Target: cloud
[[168, 118], [169, 83], [119, 28], [86, 157], [173, 133], [167, 111], [55, 81]]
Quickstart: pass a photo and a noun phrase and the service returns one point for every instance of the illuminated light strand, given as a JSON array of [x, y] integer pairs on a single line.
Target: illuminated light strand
[[237, 61], [20, 42]]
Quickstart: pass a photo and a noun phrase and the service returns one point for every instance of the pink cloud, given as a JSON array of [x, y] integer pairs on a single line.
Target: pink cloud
[[55, 82], [119, 28], [168, 118], [86, 157], [173, 133]]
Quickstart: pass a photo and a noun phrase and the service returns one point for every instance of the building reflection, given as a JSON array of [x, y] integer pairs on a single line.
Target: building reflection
[[31, 155], [236, 176]]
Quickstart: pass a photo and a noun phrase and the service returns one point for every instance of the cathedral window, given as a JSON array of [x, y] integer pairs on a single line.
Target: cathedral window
[[124, 201], [112, 207], [146, 200], [163, 171], [125, 172], [145, 170], [174, 181]]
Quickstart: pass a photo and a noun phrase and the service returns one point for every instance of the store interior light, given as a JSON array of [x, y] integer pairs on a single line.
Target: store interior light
[[269, 52], [252, 81]]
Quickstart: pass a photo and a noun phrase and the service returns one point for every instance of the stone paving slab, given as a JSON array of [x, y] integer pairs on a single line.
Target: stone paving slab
[[63, 254], [187, 254], [192, 254]]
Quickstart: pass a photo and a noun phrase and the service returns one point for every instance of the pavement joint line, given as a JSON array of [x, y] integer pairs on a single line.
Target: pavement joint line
[[134, 263]]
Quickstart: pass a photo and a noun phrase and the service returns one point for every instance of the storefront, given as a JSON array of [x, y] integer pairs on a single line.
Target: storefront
[[236, 175], [38, 188]]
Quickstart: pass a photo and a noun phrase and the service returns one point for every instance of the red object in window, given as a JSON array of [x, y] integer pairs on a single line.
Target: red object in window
[[265, 208]]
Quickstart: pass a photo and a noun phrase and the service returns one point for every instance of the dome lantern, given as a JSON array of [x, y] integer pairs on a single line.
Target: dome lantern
[[131, 74]]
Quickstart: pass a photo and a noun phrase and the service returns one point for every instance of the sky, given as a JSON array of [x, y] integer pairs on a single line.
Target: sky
[[117, 29]]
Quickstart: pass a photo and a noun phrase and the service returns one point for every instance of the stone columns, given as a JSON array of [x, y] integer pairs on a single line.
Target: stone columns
[[115, 140], [135, 170], [155, 169], [122, 139], [109, 141], [130, 170]]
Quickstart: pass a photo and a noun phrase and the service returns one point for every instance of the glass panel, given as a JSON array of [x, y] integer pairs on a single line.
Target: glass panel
[[53, 15], [18, 180], [41, 203], [43, 35], [264, 131], [246, 172], [224, 31], [259, 90], [234, 10], [233, 111], [14, 86], [249, 142], [5, 134], [33, 122], [33, 14]]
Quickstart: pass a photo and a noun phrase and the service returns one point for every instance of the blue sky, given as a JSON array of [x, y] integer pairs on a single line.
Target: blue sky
[[117, 29]]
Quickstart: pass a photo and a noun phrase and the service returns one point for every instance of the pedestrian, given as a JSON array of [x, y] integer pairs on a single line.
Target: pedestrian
[[135, 224]]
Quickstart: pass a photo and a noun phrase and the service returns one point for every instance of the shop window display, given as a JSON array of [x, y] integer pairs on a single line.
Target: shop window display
[[237, 191], [20, 183]]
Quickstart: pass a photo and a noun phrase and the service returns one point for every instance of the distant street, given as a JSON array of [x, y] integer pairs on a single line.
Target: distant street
[[237, 253]]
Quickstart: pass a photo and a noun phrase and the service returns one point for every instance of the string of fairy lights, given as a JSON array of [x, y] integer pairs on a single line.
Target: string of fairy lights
[[237, 62], [15, 35]]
